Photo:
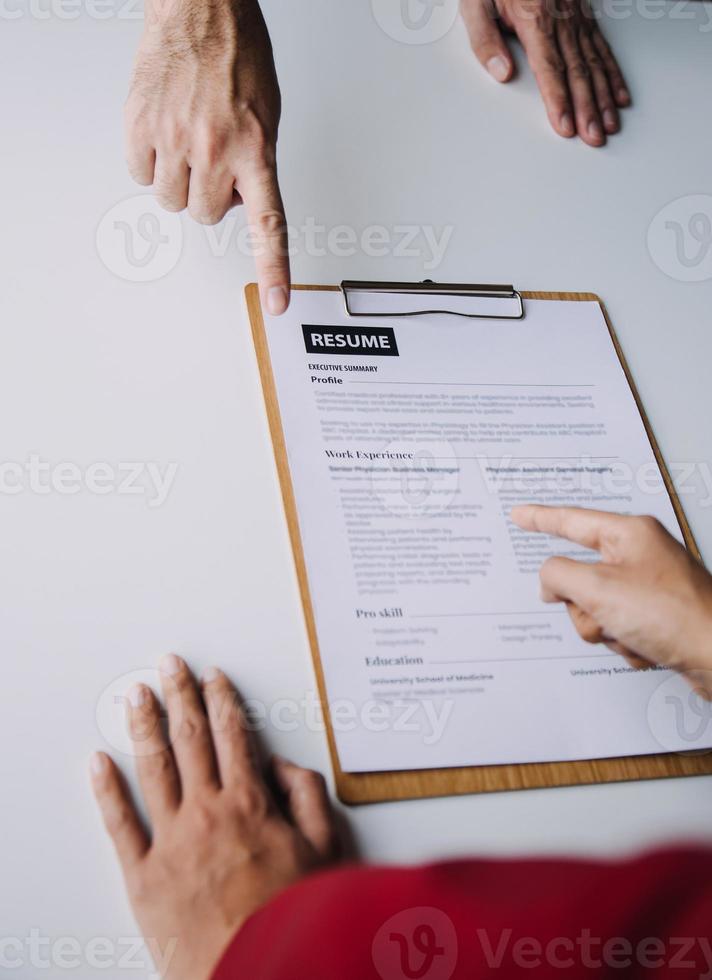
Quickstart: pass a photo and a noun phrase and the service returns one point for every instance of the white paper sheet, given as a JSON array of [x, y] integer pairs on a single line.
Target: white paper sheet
[[436, 647]]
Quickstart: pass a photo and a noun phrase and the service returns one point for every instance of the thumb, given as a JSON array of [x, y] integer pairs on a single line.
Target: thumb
[[308, 804], [490, 48], [265, 214]]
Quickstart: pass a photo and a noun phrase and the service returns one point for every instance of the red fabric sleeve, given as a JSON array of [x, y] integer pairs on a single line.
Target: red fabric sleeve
[[650, 917]]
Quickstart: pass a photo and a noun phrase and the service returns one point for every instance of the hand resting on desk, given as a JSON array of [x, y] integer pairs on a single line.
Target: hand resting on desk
[[578, 75], [222, 843]]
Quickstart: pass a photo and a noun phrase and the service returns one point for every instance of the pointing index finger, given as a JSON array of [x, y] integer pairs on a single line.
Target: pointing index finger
[[584, 527], [265, 212]]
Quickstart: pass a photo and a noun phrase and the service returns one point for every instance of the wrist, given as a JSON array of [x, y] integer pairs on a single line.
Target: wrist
[[194, 22]]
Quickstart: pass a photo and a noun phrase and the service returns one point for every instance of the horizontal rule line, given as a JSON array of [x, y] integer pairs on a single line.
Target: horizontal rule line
[[471, 384], [506, 459], [537, 612], [518, 660]]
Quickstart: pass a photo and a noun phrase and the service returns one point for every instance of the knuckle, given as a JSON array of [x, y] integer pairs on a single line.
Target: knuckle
[[211, 146], [181, 683], [648, 527], [173, 136], [160, 765], [270, 223], [589, 631], [231, 719], [262, 151], [578, 70], [313, 781], [169, 199], [254, 133], [553, 64], [183, 679], [205, 203], [140, 887], [548, 568], [545, 27], [194, 729], [251, 801], [135, 122], [138, 175], [206, 214], [143, 725], [117, 820], [203, 817]]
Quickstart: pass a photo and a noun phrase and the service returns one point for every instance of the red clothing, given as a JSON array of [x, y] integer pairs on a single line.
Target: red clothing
[[650, 917]]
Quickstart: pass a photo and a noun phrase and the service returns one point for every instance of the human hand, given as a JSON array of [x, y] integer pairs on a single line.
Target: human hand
[[220, 847], [201, 123], [647, 599], [577, 74]]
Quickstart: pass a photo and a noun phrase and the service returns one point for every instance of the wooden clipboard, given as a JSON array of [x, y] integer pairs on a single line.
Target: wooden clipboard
[[359, 788]]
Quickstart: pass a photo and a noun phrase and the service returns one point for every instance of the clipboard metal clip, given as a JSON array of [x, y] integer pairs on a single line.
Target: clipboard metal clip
[[428, 288]]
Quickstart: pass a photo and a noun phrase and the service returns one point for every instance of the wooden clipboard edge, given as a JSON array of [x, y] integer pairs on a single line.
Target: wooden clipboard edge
[[376, 787], [687, 534], [279, 445]]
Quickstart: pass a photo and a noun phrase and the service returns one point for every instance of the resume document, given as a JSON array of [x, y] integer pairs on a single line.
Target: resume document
[[409, 440]]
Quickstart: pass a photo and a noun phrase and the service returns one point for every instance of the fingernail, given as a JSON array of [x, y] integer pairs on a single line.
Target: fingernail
[[277, 300], [138, 695], [170, 664], [97, 763], [210, 674], [567, 125], [498, 68], [594, 130], [623, 95], [610, 119]]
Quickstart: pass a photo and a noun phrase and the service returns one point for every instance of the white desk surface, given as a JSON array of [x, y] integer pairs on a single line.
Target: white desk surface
[[98, 368]]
